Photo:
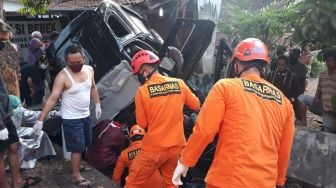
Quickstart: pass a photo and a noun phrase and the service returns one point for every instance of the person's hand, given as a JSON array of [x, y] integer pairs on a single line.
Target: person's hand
[[98, 111], [4, 134], [180, 170], [37, 127]]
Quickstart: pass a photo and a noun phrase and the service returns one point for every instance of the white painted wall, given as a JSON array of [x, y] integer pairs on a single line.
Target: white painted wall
[[12, 6]]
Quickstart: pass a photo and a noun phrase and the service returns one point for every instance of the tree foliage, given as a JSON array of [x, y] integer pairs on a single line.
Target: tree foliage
[[279, 22], [248, 4], [34, 7], [316, 21]]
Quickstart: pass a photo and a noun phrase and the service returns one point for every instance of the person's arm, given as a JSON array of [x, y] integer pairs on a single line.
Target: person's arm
[[94, 95], [286, 142], [94, 91], [140, 114], [119, 169], [191, 100], [54, 96], [318, 94], [207, 126], [301, 76], [31, 86], [295, 87]]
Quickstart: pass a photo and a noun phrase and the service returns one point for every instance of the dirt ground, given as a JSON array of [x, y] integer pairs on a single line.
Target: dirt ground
[[55, 173]]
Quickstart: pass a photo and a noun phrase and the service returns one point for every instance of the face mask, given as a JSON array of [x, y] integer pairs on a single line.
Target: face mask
[[141, 79], [77, 67], [2, 45], [43, 66]]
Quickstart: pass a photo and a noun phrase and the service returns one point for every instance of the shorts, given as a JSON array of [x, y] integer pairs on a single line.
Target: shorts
[[12, 135], [77, 134]]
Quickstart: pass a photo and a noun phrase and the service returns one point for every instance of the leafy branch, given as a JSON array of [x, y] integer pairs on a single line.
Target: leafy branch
[[34, 7]]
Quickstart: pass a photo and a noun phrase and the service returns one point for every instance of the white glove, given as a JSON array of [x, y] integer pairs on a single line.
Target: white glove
[[4, 134], [37, 127], [98, 111], [180, 170]]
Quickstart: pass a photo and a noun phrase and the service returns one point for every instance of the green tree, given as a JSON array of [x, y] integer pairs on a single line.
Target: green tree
[[34, 7], [316, 21], [302, 20], [268, 23]]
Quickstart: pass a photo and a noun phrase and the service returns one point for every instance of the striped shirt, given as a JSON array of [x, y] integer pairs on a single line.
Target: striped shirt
[[327, 87]]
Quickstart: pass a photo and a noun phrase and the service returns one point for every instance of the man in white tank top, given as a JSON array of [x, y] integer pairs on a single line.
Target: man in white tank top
[[75, 83]]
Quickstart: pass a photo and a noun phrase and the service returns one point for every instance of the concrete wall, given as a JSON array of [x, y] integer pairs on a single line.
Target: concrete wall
[[313, 158]]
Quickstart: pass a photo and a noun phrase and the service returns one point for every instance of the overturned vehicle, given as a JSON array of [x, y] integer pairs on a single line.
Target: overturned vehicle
[[111, 35]]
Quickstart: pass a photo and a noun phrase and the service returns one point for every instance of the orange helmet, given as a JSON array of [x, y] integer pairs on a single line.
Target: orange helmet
[[143, 57], [251, 49], [136, 130]]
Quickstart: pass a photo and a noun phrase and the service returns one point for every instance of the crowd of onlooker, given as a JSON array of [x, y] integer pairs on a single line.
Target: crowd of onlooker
[[290, 72], [27, 79]]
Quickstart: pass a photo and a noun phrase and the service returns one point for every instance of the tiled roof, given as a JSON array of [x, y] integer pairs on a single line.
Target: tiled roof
[[76, 4], [73, 4]]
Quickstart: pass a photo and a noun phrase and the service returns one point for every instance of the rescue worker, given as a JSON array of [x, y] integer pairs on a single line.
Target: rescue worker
[[126, 158], [159, 106], [255, 124]]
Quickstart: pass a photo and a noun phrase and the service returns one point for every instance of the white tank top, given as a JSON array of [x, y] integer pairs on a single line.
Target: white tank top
[[76, 100]]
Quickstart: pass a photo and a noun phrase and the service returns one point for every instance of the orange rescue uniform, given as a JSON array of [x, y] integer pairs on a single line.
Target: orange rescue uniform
[[159, 109], [255, 122], [125, 160]]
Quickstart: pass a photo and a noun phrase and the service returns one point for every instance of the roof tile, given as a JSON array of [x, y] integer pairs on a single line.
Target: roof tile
[[89, 3]]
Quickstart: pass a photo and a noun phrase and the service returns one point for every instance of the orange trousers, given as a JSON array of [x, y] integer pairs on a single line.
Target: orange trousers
[[154, 181], [147, 162]]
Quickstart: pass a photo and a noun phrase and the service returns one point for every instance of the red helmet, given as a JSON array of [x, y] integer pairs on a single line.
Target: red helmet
[[136, 130], [251, 49], [143, 57]]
